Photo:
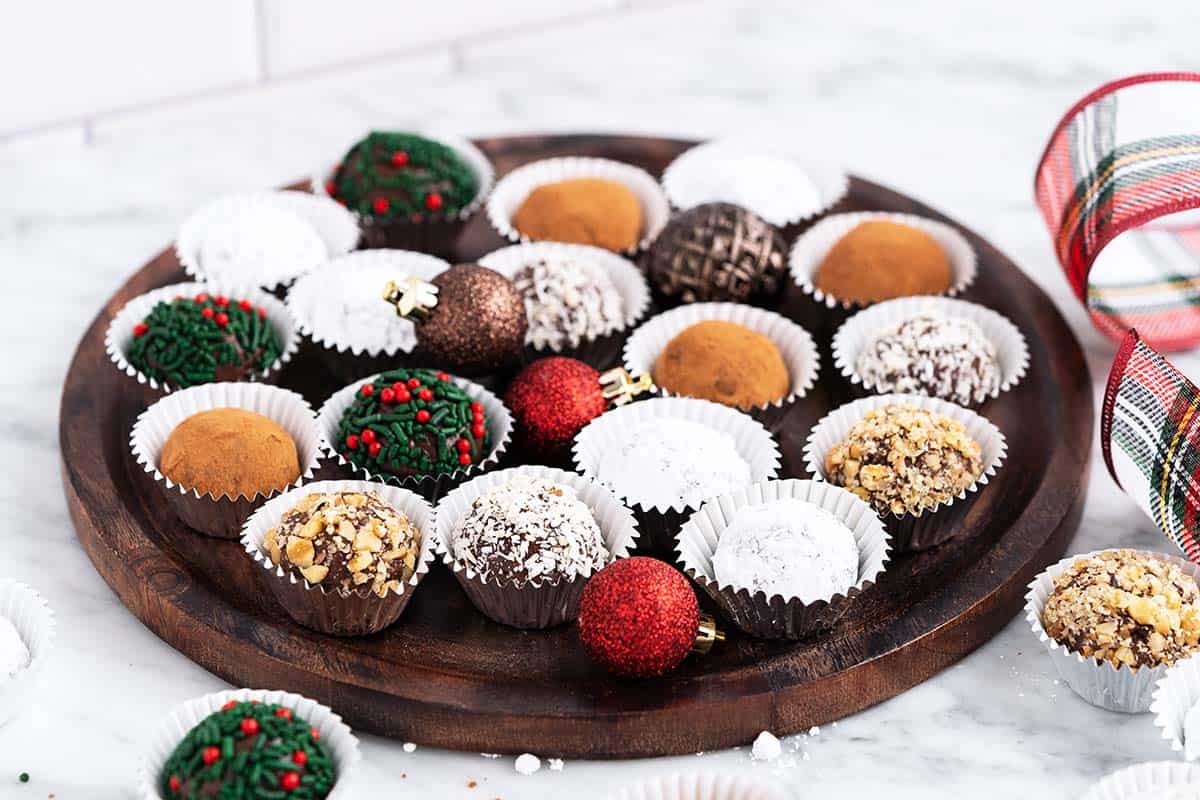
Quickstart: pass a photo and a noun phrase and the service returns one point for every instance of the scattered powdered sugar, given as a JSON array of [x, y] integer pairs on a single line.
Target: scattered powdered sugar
[[409, 747], [528, 530], [568, 301], [930, 354], [556, 764], [673, 462], [14, 655], [346, 308], [527, 764], [263, 245], [787, 547], [766, 747]]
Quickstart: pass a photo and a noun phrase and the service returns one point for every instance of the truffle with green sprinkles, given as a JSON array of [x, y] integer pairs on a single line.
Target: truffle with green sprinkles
[[201, 339], [250, 751], [413, 422], [400, 176]]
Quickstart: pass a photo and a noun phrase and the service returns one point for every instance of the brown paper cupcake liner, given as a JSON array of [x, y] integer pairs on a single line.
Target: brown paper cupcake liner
[[777, 617], [223, 516], [533, 606], [361, 612]]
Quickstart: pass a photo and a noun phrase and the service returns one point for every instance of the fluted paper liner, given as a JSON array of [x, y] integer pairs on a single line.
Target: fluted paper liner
[[1174, 696], [349, 359], [861, 330], [361, 612], [433, 233], [799, 352], [658, 524], [222, 516], [335, 733], [543, 604], [629, 281], [1098, 682], [779, 617], [689, 180], [334, 226], [34, 621], [119, 336], [1152, 779], [811, 247], [938, 523], [702, 786], [514, 187], [431, 487]]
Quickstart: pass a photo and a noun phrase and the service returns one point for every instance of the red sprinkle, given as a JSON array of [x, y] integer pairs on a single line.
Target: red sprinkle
[[222, 319], [399, 158], [463, 446], [464, 458], [208, 313], [478, 430], [211, 755], [245, 305], [381, 205], [221, 300], [352, 442], [202, 297], [423, 415], [403, 395], [425, 394], [368, 435], [373, 449], [367, 390], [413, 383], [444, 377], [300, 758], [388, 396], [476, 408], [140, 329], [289, 781], [249, 726], [330, 188], [174, 784], [315, 734], [262, 314], [229, 705], [433, 201]]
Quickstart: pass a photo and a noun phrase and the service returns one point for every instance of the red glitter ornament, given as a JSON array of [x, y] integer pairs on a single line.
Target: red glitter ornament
[[551, 400], [639, 618]]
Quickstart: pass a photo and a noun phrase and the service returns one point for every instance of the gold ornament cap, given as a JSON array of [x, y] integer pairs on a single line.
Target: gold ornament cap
[[619, 387], [707, 635], [413, 298]]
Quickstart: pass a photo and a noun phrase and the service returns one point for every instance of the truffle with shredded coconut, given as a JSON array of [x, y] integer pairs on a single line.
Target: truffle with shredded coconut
[[568, 301]]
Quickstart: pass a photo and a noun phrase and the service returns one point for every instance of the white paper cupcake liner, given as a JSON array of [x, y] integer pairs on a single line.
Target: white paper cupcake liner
[[536, 605], [431, 487], [222, 516], [811, 247], [799, 352], [333, 229], [1100, 683], [361, 612], [734, 171], [1174, 696], [514, 187], [702, 786], [861, 330], [184, 717], [1163, 780], [34, 621], [119, 336], [938, 523], [779, 617], [626, 277], [658, 524]]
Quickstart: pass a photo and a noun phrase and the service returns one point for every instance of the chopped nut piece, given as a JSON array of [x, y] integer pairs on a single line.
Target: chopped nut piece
[[300, 551], [315, 574]]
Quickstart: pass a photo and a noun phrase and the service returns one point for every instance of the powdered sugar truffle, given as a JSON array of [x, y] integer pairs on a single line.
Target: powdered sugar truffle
[[787, 547], [263, 245], [934, 355], [568, 301], [343, 307], [529, 531]]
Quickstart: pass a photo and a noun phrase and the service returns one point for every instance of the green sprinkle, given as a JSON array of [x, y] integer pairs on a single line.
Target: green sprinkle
[[23, 777]]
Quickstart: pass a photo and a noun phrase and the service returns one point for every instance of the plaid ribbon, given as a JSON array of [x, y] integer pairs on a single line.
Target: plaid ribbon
[[1101, 177]]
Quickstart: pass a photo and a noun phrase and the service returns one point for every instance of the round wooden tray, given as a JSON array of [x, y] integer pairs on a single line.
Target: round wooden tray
[[445, 676]]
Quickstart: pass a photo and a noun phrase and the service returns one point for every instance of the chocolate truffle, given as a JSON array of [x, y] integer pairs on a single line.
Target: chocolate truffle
[[528, 531], [880, 260], [469, 319], [789, 548], [664, 463], [401, 176], [202, 339], [717, 251], [568, 301], [1124, 607], [346, 540], [724, 362], [250, 750], [413, 422], [903, 459], [582, 211], [929, 354], [230, 452]]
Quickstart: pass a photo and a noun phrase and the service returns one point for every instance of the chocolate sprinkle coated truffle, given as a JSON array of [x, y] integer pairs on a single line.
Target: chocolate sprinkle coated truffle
[[929, 354], [249, 751], [413, 422], [1126, 608], [529, 531], [346, 540], [717, 251], [478, 324], [399, 176], [202, 339]]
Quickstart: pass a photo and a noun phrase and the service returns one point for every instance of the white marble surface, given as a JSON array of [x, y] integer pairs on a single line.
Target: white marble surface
[[952, 104]]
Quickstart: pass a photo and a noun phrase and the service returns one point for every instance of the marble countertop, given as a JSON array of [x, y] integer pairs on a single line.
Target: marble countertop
[[951, 104]]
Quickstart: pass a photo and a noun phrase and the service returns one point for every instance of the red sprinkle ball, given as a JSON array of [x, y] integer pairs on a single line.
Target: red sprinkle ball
[[300, 758], [210, 755], [638, 617], [249, 726], [283, 713], [208, 313], [381, 205], [229, 705], [352, 442], [433, 201], [289, 781], [140, 330], [245, 305], [423, 415], [222, 319], [174, 783], [367, 390], [399, 158], [551, 401]]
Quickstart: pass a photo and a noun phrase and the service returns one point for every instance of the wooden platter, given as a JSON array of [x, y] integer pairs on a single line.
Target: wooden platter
[[445, 676]]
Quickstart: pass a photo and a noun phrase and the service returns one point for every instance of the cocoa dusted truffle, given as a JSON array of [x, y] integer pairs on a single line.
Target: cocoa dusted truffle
[[717, 251], [529, 531], [346, 540], [230, 452], [880, 260], [591, 211], [724, 362]]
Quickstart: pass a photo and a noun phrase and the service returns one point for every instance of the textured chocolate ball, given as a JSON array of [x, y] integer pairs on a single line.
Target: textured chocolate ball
[[478, 324], [717, 251]]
